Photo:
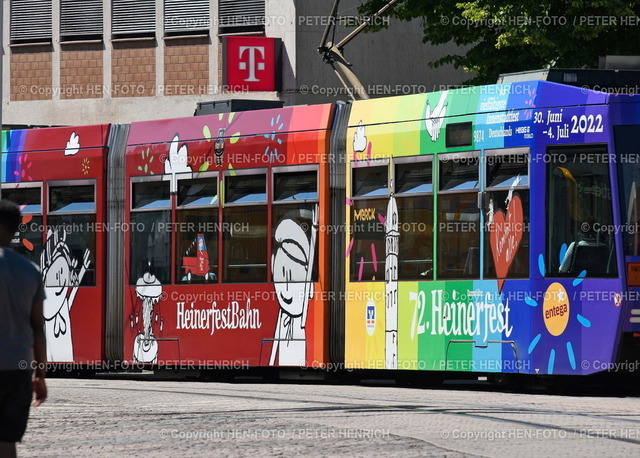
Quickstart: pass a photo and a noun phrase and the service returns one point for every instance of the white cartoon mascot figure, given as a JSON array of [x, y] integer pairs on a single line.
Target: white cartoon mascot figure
[[292, 266], [145, 346], [61, 281], [176, 162], [435, 117]]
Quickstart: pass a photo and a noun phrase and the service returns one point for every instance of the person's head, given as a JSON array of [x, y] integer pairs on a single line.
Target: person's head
[[9, 221]]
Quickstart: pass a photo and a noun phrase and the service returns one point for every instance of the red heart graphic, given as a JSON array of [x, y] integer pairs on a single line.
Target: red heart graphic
[[506, 235]]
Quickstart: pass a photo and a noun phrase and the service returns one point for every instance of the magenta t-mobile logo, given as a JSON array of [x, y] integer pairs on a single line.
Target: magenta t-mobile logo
[[252, 65]]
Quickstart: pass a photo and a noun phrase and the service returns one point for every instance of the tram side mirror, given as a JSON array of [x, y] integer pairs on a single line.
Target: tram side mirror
[[481, 200]]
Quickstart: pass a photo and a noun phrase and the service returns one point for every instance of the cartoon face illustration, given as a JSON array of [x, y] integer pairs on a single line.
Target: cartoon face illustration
[[61, 280], [57, 279], [290, 265], [219, 146], [149, 291]]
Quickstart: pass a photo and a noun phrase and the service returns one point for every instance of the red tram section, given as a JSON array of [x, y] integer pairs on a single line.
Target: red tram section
[[225, 262], [57, 177]]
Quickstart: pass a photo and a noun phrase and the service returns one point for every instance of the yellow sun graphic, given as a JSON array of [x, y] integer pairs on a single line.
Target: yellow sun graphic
[[86, 166]]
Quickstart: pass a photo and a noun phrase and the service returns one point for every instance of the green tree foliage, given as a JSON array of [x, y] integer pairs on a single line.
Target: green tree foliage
[[504, 36]]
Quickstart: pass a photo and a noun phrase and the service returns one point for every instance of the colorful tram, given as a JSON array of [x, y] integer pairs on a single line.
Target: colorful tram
[[481, 230]]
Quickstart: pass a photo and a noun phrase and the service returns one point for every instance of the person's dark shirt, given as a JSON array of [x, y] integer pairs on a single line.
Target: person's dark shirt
[[20, 287]]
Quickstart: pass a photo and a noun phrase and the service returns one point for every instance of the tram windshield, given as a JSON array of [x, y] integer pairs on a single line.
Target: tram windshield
[[579, 213], [628, 158]]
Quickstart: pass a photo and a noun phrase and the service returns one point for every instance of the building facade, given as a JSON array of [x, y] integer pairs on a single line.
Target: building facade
[[69, 62]]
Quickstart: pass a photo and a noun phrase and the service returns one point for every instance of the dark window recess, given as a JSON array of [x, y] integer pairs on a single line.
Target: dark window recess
[[508, 170], [458, 134], [72, 199], [151, 195], [370, 181], [414, 177], [198, 192], [245, 189], [296, 186], [459, 174]]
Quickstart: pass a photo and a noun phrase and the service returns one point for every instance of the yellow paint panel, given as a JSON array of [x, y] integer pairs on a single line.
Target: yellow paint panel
[[364, 330]]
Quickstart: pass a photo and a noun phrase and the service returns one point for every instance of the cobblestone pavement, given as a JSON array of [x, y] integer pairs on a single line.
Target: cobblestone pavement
[[158, 418]]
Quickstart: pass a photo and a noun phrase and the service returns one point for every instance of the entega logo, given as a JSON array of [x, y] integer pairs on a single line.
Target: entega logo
[[556, 309]]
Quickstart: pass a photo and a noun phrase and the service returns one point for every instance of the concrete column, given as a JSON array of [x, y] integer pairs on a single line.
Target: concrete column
[[159, 45], [214, 49], [108, 50], [55, 57], [281, 22]]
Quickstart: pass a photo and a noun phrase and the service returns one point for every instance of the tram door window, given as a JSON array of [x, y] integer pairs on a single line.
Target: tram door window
[[506, 238], [628, 160], [150, 229], [245, 222], [370, 203], [295, 213], [414, 200], [28, 240], [579, 212], [458, 216], [197, 229], [71, 234]]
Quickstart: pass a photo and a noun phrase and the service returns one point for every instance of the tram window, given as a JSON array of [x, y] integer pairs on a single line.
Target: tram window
[[197, 192], [242, 189], [626, 138], [245, 244], [70, 249], [151, 246], [294, 239], [245, 239], [370, 181], [367, 255], [197, 235], [579, 206], [148, 195], [151, 238], [505, 171], [29, 199], [459, 173], [296, 186], [414, 201], [72, 199], [28, 241], [458, 217], [506, 238]]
